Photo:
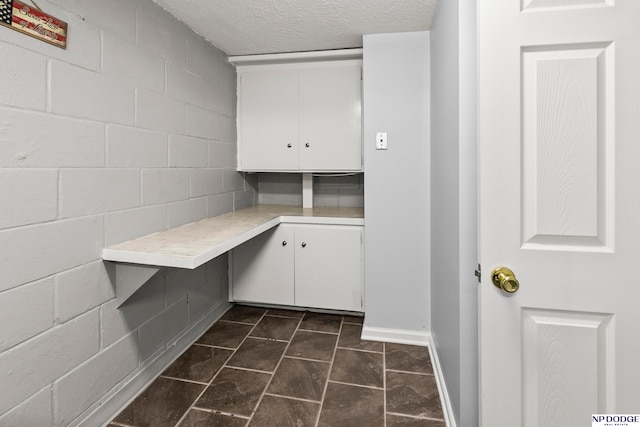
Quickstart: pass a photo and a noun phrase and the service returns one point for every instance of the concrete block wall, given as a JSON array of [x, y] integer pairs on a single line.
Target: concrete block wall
[[129, 131], [335, 191]]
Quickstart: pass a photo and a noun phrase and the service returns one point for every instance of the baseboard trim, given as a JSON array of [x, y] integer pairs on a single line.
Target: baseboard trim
[[119, 397], [398, 336], [447, 409], [401, 336]]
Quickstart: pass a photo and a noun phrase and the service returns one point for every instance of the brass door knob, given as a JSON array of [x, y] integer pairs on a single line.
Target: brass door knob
[[505, 279]]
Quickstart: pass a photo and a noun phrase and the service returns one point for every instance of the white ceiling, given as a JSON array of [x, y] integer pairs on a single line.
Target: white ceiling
[[243, 27]]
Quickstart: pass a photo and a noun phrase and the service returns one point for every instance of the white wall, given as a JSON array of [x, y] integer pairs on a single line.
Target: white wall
[[397, 182], [454, 204], [129, 131]]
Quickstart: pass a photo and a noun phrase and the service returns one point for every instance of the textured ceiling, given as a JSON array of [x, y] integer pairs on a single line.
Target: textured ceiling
[[243, 27]]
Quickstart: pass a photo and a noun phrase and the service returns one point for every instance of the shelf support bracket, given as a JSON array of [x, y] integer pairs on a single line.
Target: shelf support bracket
[[130, 278]]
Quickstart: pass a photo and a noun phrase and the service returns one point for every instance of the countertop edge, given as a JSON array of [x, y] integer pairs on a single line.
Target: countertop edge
[[194, 261]]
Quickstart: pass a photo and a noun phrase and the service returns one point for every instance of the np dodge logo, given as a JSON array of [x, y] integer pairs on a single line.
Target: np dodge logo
[[615, 420]]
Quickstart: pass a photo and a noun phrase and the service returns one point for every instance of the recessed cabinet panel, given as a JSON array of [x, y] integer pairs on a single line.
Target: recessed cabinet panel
[[330, 118], [269, 110], [329, 267], [262, 268]]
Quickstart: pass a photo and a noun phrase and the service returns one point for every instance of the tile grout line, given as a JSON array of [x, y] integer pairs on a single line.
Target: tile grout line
[[264, 392], [384, 384], [323, 332], [292, 398], [306, 359], [370, 387], [214, 411], [184, 380], [415, 417], [326, 385], [221, 368], [361, 350], [424, 374]]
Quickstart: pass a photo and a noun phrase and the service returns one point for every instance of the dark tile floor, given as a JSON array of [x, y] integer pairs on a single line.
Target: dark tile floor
[[265, 367]]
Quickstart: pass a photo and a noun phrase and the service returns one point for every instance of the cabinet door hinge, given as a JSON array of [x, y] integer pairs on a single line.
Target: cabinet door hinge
[[478, 273]]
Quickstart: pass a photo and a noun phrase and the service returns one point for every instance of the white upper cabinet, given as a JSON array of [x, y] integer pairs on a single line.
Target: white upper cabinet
[[268, 120], [330, 118], [300, 117]]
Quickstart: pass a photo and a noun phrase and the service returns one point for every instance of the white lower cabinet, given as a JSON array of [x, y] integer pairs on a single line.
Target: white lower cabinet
[[263, 268], [317, 266]]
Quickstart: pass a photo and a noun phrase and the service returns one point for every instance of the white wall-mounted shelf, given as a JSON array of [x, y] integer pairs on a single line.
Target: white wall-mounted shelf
[[194, 244]]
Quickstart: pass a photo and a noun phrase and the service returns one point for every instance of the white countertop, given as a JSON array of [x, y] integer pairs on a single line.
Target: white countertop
[[194, 244]]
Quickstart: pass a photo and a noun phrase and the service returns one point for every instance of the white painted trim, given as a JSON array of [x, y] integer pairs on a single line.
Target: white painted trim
[[124, 393], [447, 409], [399, 336], [275, 58]]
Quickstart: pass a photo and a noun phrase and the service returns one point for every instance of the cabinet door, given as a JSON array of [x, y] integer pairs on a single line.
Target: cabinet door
[[262, 268], [328, 267], [330, 118], [269, 120]]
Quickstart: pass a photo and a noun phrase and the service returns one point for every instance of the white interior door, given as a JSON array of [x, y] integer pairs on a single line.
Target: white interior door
[[559, 132]]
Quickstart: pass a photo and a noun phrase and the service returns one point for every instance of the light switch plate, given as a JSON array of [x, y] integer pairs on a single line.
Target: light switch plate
[[381, 140]]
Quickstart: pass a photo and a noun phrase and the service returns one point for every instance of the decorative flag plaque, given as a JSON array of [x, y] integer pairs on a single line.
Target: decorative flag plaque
[[33, 22]]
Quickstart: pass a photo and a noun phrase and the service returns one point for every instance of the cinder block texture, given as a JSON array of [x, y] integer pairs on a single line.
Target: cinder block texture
[[118, 136], [35, 411], [129, 147], [180, 281], [131, 223], [244, 199], [222, 155], [55, 142], [74, 91], [202, 123], [76, 391], [206, 182], [27, 73], [164, 34], [36, 363], [36, 251], [81, 289], [186, 86], [185, 151], [130, 64], [203, 59], [161, 329], [219, 204], [90, 191], [165, 185], [31, 306], [28, 196], [117, 16], [218, 98], [156, 111], [181, 213], [143, 305], [232, 180]]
